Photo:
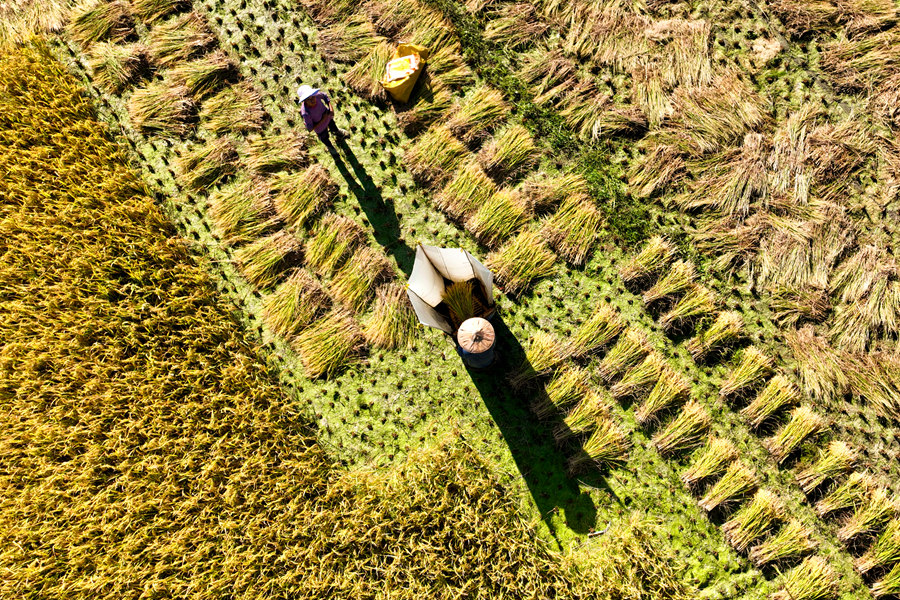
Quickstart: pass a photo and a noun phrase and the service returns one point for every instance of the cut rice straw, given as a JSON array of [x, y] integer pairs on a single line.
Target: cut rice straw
[[521, 261], [883, 552], [354, 283], [697, 303], [181, 39], [835, 460], [640, 379], [573, 229], [793, 540], [392, 323], [850, 494], [870, 517], [498, 218], [295, 304], [753, 520], [889, 585], [435, 156], [263, 261], [546, 192], [543, 355], [648, 263], [777, 394], [584, 417], [481, 109], [510, 152], [685, 431], [738, 481], [469, 190], [709, 462], [678, 279], [631, 348], [302, 195], [328, 345], [596, 332], [813, 579], [334, 240], [723, 333], [567, 387], [671, 389], [607, 447], [753, 366]]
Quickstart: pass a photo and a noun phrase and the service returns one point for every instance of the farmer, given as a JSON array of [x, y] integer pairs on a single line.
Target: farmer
[[319, 116]]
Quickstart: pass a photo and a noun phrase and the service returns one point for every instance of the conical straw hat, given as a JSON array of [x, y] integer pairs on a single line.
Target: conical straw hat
[[475, 335]]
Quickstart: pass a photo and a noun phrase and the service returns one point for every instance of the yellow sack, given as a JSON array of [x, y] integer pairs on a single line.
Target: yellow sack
[[403, 71]]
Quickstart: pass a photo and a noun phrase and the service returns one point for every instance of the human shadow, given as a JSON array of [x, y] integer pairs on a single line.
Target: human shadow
[[379, 211], [540, 460]]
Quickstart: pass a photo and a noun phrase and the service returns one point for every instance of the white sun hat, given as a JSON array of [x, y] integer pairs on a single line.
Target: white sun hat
[[305, 91]]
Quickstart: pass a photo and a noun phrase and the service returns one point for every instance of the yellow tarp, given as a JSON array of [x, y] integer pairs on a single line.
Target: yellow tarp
[[403, 70]]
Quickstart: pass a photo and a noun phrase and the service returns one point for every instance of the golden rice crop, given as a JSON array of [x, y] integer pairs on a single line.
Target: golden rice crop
[[640, 379]]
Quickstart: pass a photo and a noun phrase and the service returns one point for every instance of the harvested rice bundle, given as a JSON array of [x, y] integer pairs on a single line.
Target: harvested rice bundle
[[566, 388], [670, 389], [752, 367], [206, 165], [431, 29], [793, 540], [178, 40], [596, 332], [271, 153], [300, 196], [460, 300], [149, 11], [204, 76], [515, 26], [364, 77], [448, 69], [738, 481], [426, 106], [435, 155], [392, 323], [885, 551], [753, 520], [870, 517], [480, 111], [684, 432], [543, 355], [584, 417], [697, 303], [648, 93], [861, 64], [499, 218], [348, 41], [644, 267], [628, 351], [835, 460], [889, 585], [640, 379], [677, 280], [662, 165], [777, 394], [850, 494], [354, 283], [724, 332], [581, 107], [162, 109], [544, 193], [263, 261], [823, 373], [469, 189], [607, 447], [295, 304], [327, 345], [242, 211], [550, 73], [710, 462], [813, 579], [627, 122], [116, 66], [96, 21], [804, 424], [236, 109], [521, 261], [573, 229], [333, 241], [509, 153]]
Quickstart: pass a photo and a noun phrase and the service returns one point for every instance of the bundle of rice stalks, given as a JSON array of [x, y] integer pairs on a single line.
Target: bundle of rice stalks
[[295, 304], [861, 64], [300, 196], [662, 165], [499, 218], [509, 153], [596, 332], [515, 26], [207, 165], [793, 306], [242, 211], [348, 41], [752, 367], [435, 156], [566, 388], [583, 418], [813, 579], [607, 447], [521, 261], [804, 423], [640, 379], [697, 303], [648, 263], [889, 585], [628, 122], [678, 279], [582, 107], [793, 540], [850, 494], [203, 76], [628, 351], [723, 333], [392, 323], [327, 345], [116, 66], [426, 106], [876, 510], [550, 73], [573, 229], [333, 241], [885, 551], [710, 462], [163, 109], [754, 520], [543, 355], [835, 460], [149, 11], [354, 283], [431, 29], [858, 16], [671, 388], [875, 378], [268, 154], [459, 299], [648, 93], [777, 394], [236, 109], [684, 432], [263, 261], [545, 192], [480, 111], [447, 69], [178, 40], [823, 373], [469, 189], [97, 21], [364, 77], [738, 481]]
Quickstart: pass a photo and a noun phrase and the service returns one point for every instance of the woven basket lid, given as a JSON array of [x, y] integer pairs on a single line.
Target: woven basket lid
[[475, 335]]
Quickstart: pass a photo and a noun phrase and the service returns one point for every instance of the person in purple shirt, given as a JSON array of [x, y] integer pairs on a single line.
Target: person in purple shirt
[[318, 116]]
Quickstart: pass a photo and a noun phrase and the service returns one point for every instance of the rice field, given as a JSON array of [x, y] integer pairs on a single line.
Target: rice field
[[690, 212]]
